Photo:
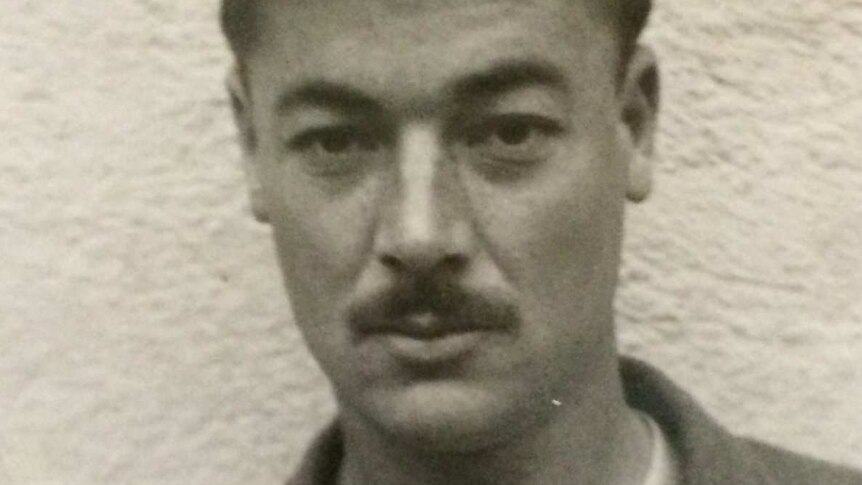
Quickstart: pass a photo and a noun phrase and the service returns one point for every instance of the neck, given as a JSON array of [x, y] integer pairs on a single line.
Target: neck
[[599, 440]]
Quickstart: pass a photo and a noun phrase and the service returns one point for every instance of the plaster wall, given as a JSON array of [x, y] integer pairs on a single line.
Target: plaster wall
[[144, 335]]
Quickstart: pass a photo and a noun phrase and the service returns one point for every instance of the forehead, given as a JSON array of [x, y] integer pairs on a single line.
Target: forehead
[[369, 13], [423, 44]]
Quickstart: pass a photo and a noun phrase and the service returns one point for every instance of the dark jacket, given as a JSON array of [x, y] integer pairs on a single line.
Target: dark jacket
[[708, 454]]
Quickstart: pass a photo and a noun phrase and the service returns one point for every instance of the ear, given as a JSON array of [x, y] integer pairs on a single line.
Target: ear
[[241, 106], [639, 98]]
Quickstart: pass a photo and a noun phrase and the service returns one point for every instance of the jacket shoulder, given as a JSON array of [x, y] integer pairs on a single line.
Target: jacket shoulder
[[789, 468]]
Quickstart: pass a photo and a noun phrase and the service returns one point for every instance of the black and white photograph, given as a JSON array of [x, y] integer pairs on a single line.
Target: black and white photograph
[[431, 242]]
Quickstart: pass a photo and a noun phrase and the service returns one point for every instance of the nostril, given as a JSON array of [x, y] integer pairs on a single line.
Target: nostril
[[391, 262], [453, 262], [444, 262]]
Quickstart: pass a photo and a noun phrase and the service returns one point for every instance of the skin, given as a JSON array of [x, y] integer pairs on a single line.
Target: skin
[[415, 165]]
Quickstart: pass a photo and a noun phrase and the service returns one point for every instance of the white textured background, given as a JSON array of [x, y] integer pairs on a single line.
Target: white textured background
[[144, 337]]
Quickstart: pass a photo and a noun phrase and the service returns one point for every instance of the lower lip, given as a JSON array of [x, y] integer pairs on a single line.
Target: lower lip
[[428, 351]]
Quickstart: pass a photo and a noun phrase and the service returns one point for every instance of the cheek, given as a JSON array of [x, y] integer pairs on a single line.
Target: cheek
[[556, 239], [557, 226], [323, 237], [557, 244]]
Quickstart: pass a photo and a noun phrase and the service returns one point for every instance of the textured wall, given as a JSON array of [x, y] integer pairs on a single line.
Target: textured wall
[[144, 338]]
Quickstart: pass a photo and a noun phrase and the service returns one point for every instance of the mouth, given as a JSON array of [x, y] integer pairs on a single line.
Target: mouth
[[434, 351], [426, 339]]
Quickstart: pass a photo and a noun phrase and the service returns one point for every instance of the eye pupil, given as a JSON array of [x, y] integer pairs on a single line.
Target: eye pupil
[[336, 142], [368, 143], [513, 133]]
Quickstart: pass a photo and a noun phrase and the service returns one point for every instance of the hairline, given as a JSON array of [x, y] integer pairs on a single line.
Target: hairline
[[241, 26]]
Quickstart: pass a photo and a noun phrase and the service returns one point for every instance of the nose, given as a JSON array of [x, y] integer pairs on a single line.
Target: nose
[[424, 228]]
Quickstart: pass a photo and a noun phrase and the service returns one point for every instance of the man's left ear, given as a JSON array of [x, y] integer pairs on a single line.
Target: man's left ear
[[639, 103]]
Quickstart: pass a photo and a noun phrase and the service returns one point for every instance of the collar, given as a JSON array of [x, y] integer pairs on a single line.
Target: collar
[[708, 454], [664, 465]]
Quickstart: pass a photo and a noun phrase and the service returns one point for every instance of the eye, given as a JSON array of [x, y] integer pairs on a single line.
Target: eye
[[336, 149], [513, 138]]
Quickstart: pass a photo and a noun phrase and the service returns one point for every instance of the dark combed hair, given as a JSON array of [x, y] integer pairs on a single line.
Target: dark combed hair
[[239, 22], [631, 18], [240, 25]]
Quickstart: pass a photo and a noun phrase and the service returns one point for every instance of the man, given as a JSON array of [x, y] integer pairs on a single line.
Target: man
[[445, 180]]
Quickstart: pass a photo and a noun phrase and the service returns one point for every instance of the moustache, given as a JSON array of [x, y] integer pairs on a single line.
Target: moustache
[[445, 306]]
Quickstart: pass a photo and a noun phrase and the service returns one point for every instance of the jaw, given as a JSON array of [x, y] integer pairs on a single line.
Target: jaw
[[485, 404], [547, 441]]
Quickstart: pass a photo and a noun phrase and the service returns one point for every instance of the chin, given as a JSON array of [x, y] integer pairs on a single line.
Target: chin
[[451, 417]]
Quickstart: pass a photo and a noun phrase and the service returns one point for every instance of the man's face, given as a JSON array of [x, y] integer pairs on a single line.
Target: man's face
[[445, 182]]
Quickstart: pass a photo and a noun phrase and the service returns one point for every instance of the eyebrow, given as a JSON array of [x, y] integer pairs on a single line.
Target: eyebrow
[[327, 95], [507, 76], [498, 79]]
